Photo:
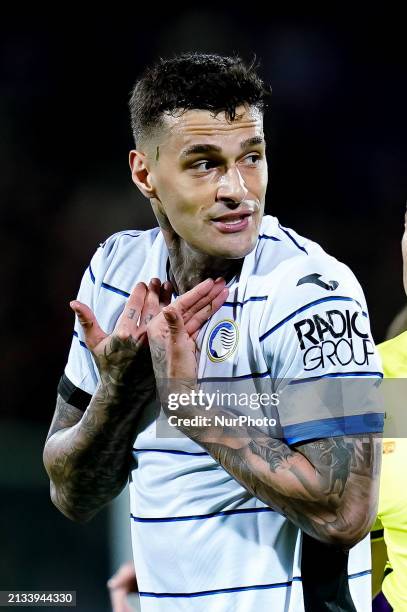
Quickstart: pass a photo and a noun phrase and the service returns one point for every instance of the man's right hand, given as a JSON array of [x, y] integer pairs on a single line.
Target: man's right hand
[[122, 357], [88, 455], [116, 354]]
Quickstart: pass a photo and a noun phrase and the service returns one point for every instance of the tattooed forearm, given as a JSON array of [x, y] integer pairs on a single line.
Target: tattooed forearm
[[65, 416], [273, 452], [87, 455], [327, 487]]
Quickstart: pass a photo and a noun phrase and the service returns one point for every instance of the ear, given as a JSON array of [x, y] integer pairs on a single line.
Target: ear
[[140, 173]]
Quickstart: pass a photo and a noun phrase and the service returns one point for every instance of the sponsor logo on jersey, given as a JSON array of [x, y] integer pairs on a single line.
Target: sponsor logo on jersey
[[222, 340], [336, 338], [316, 280]]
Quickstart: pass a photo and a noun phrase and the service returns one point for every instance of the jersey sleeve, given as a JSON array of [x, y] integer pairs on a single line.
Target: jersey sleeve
[[80, 378], [376, 531], [319, 349]]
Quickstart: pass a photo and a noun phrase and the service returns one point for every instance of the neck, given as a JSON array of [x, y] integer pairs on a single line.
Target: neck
[[189, 267]]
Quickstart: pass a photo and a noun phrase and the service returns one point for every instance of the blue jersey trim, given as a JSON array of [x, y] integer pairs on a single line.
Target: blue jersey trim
[[332, 298], [254, 587], [255, 298], [107, 286], [199, 517], [131, 235], [287, 233], [298, 381], [115, 290], [371, 422], [118, 235], [359, 574], [75, 333], [234, 378], [268, 237], [169, 451], [92, 276], [259, 298], [257, 587]]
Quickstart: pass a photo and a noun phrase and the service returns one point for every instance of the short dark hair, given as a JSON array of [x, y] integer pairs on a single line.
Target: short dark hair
[[194, 81]]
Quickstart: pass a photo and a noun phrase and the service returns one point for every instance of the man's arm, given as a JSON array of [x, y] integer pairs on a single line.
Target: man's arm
[[327, 487], [87, 455]]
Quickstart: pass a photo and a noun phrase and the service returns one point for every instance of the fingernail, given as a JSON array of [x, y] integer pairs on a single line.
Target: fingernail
[[169, 316]]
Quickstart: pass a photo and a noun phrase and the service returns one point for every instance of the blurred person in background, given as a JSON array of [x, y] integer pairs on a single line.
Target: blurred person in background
[[389, 536], [255, 522], [122, 586]]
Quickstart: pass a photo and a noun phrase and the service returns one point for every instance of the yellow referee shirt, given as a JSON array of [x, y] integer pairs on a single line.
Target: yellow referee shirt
[[392, 513]]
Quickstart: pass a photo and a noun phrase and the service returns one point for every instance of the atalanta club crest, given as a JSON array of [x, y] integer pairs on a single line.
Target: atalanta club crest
[[222, 341]]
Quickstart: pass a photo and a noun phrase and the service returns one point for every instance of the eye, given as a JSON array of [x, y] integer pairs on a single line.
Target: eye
[[252, 160], [204, 165]]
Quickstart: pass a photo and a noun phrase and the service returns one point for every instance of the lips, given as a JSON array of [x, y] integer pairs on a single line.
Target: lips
[[231, 217], [232, 222]]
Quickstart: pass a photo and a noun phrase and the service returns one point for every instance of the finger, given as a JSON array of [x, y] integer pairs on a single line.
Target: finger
[[204, 301], [185, 302], [165, 294], [93, 333], [151, 303], [127, 323], [176, 339], [174, 322], [199, 318], [200, 300]]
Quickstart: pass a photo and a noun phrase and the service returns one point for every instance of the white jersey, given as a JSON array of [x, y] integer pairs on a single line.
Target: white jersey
[[200, 540]]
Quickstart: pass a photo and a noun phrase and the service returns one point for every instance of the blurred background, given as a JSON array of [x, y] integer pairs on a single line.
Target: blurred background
[[336, 134]]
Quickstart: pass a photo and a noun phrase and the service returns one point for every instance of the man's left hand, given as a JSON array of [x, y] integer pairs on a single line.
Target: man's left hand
[[172, 342]]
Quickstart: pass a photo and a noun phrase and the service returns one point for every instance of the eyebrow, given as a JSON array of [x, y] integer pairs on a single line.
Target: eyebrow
[[251, 142], [210, 148]]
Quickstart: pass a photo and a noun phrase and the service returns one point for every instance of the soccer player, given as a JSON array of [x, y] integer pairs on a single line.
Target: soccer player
[[389, 538], [252, 522]]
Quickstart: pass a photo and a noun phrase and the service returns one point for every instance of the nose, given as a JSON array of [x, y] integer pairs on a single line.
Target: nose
[[231, 187]]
